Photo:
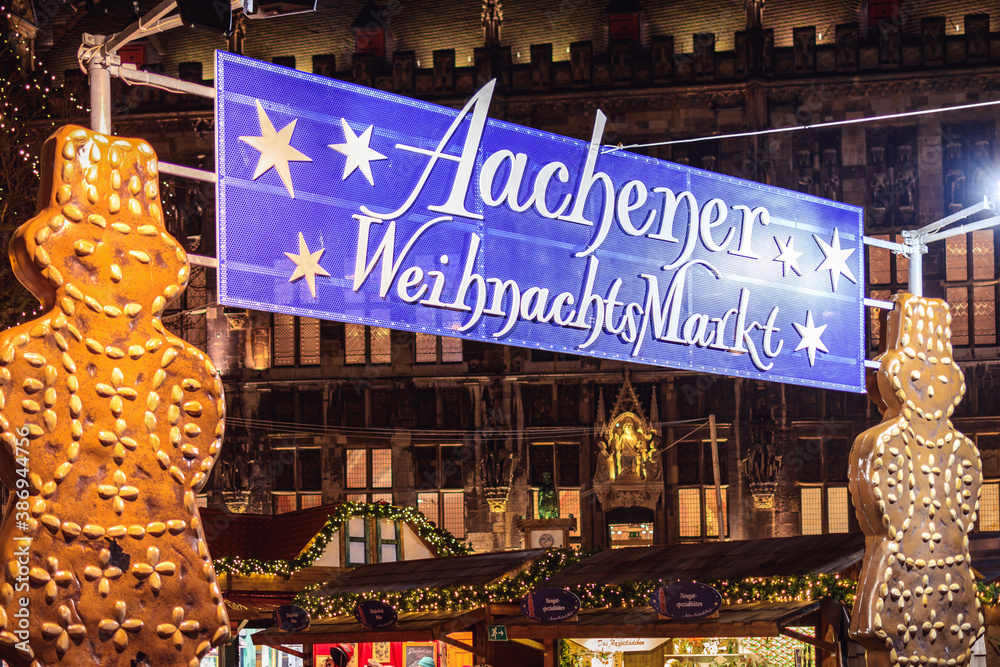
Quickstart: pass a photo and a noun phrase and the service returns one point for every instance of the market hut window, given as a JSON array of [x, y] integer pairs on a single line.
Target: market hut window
[[371, 540]]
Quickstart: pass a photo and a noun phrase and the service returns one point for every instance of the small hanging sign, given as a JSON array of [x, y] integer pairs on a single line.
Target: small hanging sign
[[375, 614], [290, 618], [683, 600], [550, 605]]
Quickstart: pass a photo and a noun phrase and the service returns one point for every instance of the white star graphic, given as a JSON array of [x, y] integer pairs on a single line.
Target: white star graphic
[[359, 155], [789, 256], [307, 265], [810, 337], [835, 259], [275, 149]]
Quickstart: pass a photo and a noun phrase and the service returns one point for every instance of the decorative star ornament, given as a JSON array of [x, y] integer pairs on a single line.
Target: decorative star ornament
[[275, 149], [789, 256], [835, 259], [357, 151], [810, 334], [307, 265]]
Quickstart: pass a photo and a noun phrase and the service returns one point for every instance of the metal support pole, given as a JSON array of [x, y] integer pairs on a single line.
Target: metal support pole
[[719, 514], [916, 278], [100, 90]]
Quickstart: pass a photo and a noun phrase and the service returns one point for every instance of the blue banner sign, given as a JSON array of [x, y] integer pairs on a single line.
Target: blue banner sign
[[686, 599], [341, 202]]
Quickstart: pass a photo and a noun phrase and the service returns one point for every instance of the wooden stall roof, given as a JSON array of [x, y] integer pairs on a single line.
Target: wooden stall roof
[[474, 570], [758, 619], [709, 561], [267, 537], [417, 626]]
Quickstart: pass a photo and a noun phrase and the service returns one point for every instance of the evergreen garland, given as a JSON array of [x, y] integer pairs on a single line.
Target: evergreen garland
[[441, 542], [628, 594]]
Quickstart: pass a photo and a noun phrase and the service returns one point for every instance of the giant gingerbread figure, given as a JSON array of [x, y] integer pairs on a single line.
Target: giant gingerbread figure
[[109, 424], [915, 481]]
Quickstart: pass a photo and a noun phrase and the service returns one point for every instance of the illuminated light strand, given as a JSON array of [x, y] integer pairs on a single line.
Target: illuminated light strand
[[813, 126], [800, 588]]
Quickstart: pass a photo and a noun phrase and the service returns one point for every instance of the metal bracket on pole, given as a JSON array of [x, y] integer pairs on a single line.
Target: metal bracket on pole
[[92, 56], [914, 250], [915, 240]]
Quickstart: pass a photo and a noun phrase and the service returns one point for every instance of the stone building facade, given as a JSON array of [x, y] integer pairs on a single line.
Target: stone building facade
[[321, 412]]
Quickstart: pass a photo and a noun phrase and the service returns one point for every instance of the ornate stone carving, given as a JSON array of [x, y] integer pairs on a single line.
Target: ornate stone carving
[[629, 471], [915, 483], [110, 426]]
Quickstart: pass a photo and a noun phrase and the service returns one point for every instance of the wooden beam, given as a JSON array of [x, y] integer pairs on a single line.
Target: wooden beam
[[812, 641], [317, 635], [297, 654], [570, 630], [531, 643]]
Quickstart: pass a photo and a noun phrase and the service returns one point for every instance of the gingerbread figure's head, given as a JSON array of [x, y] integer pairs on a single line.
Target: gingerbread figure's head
[[98, 236], [918, 371]]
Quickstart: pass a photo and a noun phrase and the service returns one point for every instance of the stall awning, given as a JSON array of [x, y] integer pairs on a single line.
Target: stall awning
[[421, 626], [759, 619], [473, 570], [710, 561]]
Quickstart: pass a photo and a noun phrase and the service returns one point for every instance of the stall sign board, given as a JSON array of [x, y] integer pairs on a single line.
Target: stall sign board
[[290, 618], [341, 202], [375, 614], [550, 605], [686, 600]]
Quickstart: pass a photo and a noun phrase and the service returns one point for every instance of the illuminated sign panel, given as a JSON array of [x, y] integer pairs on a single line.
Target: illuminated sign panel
[[341, 202]]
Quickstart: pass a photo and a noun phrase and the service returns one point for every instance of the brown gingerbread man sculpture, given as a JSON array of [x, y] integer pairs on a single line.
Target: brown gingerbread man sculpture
[[915, 482], [109, 424]]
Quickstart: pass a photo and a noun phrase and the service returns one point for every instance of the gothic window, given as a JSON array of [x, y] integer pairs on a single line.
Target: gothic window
[[431, 349], [440, 466], [888, 273], [368, 475], [824, 509], [366, 344], [694, 461], [970, 289], [989, 495], [561, 460], [295, 340], [446, 509], [697, 517], [297, 474]]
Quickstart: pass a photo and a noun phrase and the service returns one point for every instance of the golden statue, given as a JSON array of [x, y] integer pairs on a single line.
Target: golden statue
[[110, 426], [915, 482]]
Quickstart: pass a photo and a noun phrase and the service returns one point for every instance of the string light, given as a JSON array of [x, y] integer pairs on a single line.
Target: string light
[[799, 588]]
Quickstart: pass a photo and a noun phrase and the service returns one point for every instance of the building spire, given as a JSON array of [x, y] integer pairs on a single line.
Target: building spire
[[492, 15], [755, 14]]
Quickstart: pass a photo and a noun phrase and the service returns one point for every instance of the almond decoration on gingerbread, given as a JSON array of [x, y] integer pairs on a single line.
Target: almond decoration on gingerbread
[[915, 480], [110, 425]]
